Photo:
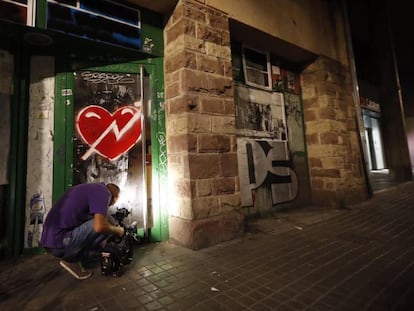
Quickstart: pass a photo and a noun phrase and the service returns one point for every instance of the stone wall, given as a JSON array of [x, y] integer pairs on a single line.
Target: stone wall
[[335, 160], [205, 206]]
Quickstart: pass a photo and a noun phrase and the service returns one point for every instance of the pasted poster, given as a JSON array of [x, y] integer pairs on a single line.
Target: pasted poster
[[294, 118], [36, 214], [266, 162], [260, 113], [284, 80], [270, 148], [109, 120]]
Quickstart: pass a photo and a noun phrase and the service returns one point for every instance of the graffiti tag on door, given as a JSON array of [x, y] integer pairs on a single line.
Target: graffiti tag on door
[[109, 134]]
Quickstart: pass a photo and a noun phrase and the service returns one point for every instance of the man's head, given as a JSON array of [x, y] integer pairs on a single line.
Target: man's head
[[114, 190]]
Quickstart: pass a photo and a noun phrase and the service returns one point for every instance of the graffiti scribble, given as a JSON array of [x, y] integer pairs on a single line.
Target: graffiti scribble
[[105, 77]]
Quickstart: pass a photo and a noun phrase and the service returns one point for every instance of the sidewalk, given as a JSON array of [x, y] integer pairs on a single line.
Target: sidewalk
[[356, 259]]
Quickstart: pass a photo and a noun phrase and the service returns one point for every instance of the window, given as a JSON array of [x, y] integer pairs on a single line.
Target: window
[[104, 20], [256, 66], [16, 11]]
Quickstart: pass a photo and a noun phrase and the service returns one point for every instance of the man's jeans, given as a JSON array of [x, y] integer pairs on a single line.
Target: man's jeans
[[78, 245]]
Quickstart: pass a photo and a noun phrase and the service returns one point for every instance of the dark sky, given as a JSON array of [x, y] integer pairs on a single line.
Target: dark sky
[[365, 17]]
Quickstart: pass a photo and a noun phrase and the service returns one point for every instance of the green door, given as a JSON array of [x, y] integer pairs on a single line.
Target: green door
[[110, 127]]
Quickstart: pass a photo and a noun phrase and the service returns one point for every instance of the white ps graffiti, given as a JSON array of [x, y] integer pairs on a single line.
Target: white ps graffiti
[[265, 162]]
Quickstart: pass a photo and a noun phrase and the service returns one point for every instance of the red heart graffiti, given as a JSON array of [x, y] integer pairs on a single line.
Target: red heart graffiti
[[109, 134]]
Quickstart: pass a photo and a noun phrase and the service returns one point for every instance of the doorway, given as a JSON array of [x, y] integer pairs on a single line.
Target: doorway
[[108, 136]]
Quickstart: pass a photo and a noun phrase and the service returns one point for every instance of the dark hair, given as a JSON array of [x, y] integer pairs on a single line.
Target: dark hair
[[114, 190]]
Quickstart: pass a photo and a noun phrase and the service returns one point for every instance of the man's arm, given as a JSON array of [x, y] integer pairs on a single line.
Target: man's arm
[[101, 225]]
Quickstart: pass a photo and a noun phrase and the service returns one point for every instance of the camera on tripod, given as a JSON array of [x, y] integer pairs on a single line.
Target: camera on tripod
[[118, 251]]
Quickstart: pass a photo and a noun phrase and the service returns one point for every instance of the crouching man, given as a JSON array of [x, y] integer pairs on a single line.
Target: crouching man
[[77, 225]]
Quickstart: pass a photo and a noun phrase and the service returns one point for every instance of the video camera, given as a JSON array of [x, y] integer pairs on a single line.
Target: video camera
[[118, 251]]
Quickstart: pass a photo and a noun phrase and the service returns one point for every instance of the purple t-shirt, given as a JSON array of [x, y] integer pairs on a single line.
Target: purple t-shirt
[[76, 206]]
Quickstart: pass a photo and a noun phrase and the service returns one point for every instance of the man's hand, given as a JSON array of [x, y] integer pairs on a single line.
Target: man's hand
[[120, 231], [101, 225]]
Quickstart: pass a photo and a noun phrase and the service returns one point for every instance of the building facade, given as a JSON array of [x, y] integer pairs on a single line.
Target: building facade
[[203, 111]]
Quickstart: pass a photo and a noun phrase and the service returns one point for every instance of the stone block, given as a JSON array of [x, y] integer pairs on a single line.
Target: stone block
[[227, 68], [223, 124], [182, 26], [315, 162], [223, 185], [329, 138], [228, 164], [220, 85], [178, 166], [205, 207], [312, 139], [183, 103], [178, 124], [217, 20], [172, 90], [184, 188], [203, 187], [198, 234], [216, 50], [204, 165], [182, 143], [195, 234], [229, 106], [195, 12], [181, 207], [329, 173], [194, 81], [209, 64], [318, 183], [332, 162], [208, 34], [212, 104], [181, 59], [230, 202], [199, 123], [310, 115], [326, 113], [194, 44], [213, 143]]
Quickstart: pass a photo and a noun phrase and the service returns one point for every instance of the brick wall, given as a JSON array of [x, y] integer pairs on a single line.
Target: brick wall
[[205, 202], [334, 153]]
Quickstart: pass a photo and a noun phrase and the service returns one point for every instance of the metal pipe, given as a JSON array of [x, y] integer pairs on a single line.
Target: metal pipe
[[144, 152], [356, 97]]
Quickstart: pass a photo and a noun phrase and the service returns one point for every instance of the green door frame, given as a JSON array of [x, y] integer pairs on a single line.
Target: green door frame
[[160, 231], [63, 155], [63, 132]]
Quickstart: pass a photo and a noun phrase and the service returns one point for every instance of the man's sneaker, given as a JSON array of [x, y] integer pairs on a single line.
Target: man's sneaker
[[76, 269]]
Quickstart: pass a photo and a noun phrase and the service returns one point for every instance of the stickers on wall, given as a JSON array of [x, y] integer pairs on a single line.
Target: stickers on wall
[[37, 211], [148, 45]]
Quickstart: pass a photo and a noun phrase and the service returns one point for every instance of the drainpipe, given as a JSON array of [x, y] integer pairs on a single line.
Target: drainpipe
[[356, 98], [144, 153]]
